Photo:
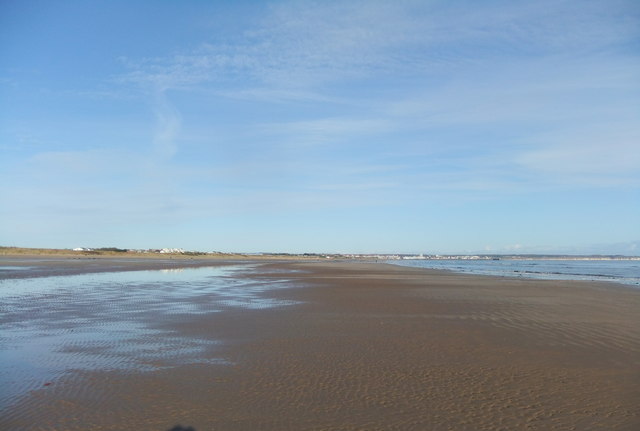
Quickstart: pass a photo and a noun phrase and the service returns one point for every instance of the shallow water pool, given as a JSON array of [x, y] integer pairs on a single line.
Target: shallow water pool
[[114, 321]]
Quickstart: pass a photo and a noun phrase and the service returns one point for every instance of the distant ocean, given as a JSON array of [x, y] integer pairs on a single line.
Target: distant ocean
[[617, 271]]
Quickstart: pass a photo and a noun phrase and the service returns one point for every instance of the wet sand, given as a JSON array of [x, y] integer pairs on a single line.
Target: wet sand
[[373, 347], [21, 266]]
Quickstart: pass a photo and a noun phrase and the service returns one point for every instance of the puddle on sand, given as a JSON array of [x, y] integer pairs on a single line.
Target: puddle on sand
[[105, 321]]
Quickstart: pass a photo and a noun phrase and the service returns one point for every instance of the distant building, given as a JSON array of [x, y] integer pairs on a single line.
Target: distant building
[[171, 250]]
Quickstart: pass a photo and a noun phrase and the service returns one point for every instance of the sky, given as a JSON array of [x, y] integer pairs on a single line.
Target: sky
[[321, 126]]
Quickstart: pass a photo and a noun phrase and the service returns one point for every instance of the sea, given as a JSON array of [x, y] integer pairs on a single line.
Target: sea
[[624, 271]]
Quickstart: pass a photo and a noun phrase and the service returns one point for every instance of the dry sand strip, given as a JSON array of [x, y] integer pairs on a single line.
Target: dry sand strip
[[378, 347]]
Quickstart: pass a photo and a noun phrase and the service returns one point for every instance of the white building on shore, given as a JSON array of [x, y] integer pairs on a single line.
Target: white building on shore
[[171, 250]]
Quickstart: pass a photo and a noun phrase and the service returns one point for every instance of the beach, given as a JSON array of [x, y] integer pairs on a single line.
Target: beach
[[338, 345]]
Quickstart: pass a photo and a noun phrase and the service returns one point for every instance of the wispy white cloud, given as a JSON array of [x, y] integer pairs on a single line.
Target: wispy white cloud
[[306, 44], [592, 157], [324, 130], [83, 164], [544, 58], [168, 121]]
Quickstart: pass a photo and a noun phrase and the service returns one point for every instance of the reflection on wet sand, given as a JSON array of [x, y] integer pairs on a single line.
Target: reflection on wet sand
[[113, 321], [172, 270]]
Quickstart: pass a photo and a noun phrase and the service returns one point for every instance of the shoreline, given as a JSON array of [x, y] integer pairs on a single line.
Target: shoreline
[[153, 254], [530, 274], [64, 264], [376, 346]]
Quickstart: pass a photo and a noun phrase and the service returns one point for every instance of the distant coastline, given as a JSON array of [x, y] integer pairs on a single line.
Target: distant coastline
[[181, 253]]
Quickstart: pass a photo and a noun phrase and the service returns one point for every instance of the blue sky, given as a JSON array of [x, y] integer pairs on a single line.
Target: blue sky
[[350, 126]]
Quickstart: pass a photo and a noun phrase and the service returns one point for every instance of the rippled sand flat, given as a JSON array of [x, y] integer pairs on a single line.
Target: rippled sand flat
[[311, 346]]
